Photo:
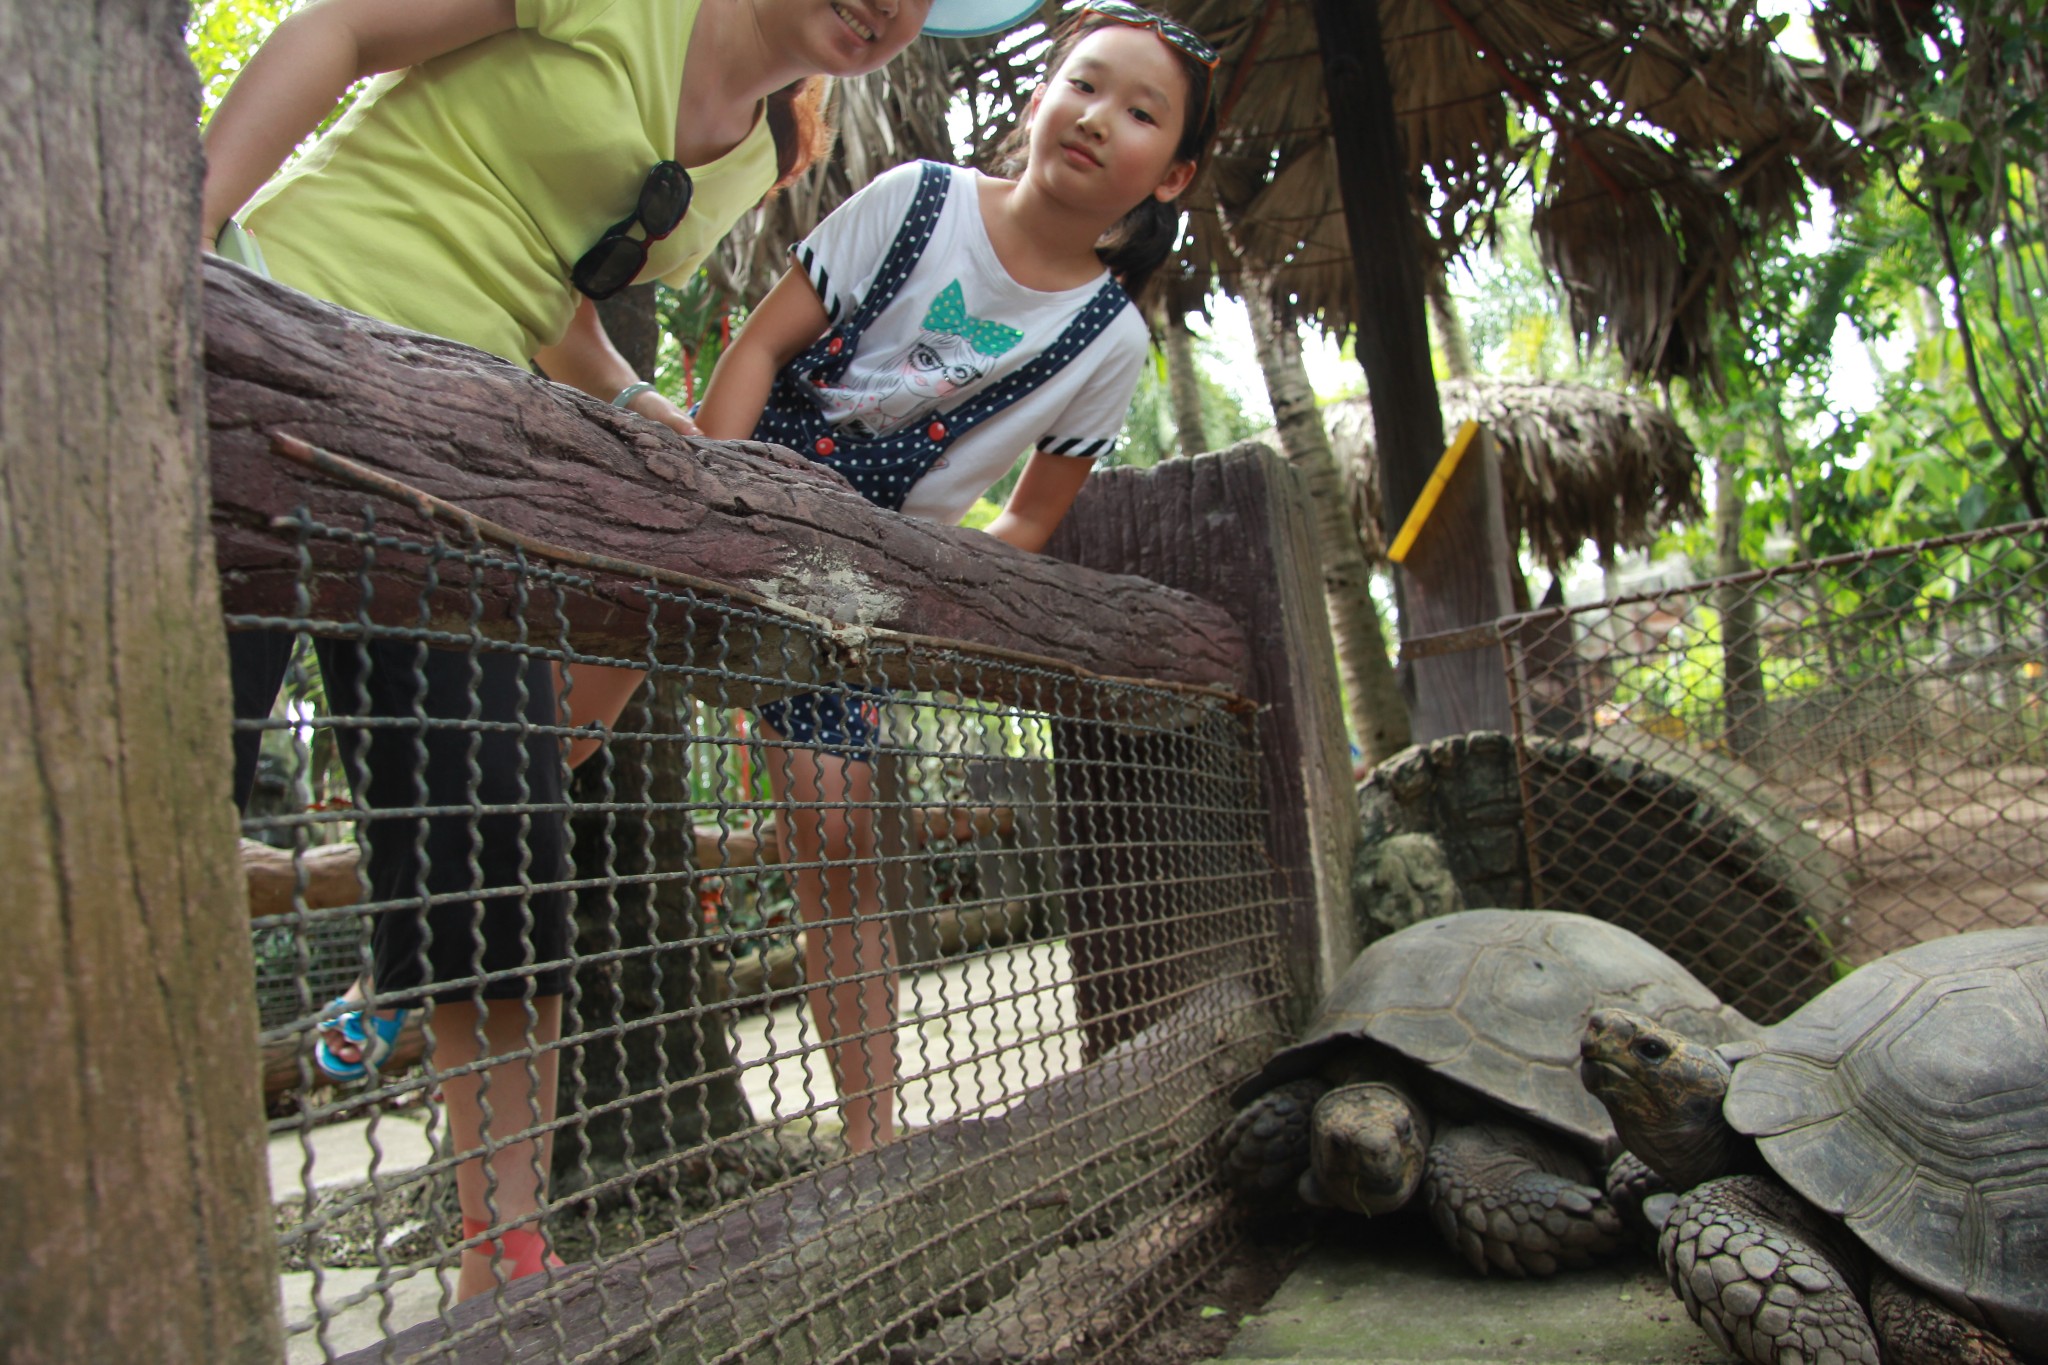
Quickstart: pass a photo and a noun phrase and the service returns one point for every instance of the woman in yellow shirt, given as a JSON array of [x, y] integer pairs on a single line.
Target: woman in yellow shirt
[[515, 159]]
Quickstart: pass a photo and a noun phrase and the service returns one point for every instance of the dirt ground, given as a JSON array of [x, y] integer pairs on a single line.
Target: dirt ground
[[1930, 852], [1202, 1322]]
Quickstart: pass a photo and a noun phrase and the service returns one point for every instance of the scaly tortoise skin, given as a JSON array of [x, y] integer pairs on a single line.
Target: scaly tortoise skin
[[1870, 1179], [1445, 1061]]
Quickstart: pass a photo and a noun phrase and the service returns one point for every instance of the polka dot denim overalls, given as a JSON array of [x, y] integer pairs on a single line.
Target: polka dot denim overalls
[[885, 469]]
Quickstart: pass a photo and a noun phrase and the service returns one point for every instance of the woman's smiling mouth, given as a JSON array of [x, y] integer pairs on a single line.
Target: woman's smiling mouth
[[853, 21]]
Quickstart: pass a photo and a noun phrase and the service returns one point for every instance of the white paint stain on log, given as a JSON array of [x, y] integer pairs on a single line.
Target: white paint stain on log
[[832, 587]]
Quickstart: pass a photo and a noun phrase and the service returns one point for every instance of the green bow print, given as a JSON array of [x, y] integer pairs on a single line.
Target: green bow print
[[948, 315]]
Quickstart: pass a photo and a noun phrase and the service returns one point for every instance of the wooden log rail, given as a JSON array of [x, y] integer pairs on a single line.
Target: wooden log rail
[[753, 524], [953, 1215]]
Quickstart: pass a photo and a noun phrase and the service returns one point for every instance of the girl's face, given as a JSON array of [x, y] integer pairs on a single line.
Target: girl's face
[[847, 37], [1105, 127]]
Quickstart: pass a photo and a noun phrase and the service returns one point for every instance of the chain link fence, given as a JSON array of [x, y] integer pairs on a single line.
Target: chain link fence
[[656, 1002], [1784, 774]]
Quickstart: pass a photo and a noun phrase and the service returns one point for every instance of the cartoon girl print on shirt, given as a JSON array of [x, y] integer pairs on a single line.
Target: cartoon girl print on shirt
[[951, 350]]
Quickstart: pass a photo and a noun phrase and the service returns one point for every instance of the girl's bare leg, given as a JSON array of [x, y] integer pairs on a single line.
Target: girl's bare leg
[[838, 894], [507, 1181]]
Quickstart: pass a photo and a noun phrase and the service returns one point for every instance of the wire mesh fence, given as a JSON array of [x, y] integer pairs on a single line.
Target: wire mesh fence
[[636, 1008], [1787, 773]]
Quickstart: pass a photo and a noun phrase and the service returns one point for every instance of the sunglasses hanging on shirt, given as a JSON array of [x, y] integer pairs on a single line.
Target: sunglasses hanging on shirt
[[619, 256]]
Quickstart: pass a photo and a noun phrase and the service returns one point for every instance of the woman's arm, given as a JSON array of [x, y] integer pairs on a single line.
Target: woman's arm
[[303, 69], [1041, 499], [586, 359], [789, 319]]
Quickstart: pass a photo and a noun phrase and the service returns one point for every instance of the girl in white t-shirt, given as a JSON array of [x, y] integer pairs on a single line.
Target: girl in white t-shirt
[[936, 325]]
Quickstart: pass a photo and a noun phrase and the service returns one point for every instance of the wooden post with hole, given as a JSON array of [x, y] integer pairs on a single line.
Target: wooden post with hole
[[133, 1196], [1234, 529]]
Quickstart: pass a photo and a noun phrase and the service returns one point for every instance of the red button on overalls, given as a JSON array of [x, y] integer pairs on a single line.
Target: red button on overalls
[[835, 345], [937, 431], [825, 445]]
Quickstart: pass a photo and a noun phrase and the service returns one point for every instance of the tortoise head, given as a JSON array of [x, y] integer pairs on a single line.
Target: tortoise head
[[1367, 1146], [1663, 1092]]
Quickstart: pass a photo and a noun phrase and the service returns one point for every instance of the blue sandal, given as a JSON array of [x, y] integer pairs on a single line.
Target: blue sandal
[[374, 1046]]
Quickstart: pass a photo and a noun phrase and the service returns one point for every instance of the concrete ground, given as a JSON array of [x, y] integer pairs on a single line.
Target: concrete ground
[[1398, 1300], [977, 1032]]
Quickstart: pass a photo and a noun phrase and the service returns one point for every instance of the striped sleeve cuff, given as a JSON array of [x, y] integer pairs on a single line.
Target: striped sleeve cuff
[[1080, 447], [821, 279]]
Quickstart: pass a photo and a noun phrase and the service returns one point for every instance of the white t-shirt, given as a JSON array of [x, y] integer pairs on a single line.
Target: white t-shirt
[[959, 324]]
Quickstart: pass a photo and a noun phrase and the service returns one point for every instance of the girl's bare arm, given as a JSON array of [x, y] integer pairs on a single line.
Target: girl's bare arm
[[305, 67], [789, 319], [1041, 499]]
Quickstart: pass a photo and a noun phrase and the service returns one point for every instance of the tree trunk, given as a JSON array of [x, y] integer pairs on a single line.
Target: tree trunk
[[1183, 382], [1456, 578], [1376, 710], [669, 975], [631, 321], [1451, 336], [666, 978], [132, 1187], [1742, 696]]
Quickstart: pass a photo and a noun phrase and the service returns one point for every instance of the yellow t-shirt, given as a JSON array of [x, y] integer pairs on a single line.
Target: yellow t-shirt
[[455, 197]]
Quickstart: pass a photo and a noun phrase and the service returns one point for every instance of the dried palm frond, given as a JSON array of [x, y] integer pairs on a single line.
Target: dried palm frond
[[1674, 132]]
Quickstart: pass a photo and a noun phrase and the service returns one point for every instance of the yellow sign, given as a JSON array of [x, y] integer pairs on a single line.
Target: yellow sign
[[1431, 491]]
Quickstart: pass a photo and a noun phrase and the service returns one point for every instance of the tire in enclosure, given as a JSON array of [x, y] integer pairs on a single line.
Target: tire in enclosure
[[1677, 851]]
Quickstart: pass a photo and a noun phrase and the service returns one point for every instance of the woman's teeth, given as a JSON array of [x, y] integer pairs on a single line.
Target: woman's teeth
[[854, 23]]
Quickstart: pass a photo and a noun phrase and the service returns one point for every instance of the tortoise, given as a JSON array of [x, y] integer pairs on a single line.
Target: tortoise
[[1445, 1060], [1869, 1179]]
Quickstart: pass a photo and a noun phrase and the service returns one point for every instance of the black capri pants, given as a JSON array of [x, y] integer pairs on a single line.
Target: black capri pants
[[517, 940]]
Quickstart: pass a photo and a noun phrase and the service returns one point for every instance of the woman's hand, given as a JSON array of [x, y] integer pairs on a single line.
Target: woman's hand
[[656, 408], [586, 359]]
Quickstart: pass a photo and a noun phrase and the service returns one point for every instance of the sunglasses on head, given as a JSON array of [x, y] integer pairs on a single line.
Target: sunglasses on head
[[610, 266], [1176, 35]]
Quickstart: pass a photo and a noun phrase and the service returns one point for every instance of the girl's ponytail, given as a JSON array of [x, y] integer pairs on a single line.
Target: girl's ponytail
[[1140, 243], [796, 119]]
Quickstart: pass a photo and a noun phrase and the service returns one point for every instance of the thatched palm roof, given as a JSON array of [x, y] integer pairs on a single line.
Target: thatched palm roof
[[1671, 131], [1577, 464]]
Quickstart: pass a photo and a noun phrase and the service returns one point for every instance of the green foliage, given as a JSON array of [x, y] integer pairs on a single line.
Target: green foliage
[[220, 35], [1149, 433], [696, 324], [1962, 91], [1516, 316]]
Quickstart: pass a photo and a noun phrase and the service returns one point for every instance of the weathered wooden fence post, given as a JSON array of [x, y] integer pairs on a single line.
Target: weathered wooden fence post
[[1233, 528], [132, 1179]]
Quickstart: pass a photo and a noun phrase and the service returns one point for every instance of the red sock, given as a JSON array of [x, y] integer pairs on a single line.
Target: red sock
[[525, 1250]]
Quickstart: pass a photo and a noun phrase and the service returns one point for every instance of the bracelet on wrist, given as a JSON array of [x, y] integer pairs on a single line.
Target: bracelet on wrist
[[632, 391]]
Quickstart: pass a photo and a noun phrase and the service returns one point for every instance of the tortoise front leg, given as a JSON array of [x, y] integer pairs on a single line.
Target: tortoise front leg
[[1510, 1201], [1641, 1197], [1765, 1274], [1265, 1147]]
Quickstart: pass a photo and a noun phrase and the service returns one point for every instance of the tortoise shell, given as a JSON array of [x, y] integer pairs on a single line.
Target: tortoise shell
[[1496, 999], [1911, 1100]]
